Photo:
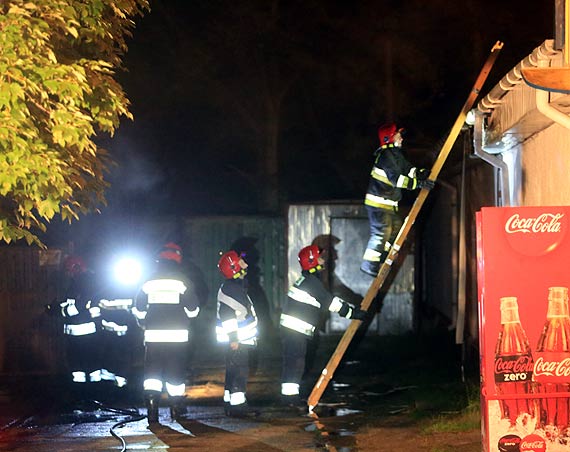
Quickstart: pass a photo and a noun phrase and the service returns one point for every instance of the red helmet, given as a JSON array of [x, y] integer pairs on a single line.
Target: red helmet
[[229, 265], [171, 252], [309, 257], [74, 265], [387, 132]]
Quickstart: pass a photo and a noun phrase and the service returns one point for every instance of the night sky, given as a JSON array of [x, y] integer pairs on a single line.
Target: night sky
[[212, 82], [218, 87]]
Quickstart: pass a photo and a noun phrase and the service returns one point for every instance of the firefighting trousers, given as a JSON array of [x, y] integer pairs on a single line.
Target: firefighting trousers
[[117, 359], [384, 227], [83, 358], [237, 373], [166, 362], [294, 352]]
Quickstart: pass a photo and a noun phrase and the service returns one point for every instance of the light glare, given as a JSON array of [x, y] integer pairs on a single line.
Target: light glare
[[128, 271]]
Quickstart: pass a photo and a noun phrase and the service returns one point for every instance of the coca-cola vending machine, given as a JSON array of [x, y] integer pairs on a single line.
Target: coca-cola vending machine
[[523, 263]]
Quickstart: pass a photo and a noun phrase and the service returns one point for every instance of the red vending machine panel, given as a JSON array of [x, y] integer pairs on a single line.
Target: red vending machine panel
[[524, 328]]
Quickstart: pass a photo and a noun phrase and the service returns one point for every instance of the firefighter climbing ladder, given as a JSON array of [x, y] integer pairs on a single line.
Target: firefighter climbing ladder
[[328, 371]]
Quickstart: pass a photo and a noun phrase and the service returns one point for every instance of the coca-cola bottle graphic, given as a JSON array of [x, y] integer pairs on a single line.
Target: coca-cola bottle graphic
[[552, 366], [513, 364]]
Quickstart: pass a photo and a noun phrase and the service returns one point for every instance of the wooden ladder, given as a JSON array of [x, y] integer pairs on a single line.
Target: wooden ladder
[[334, 361]]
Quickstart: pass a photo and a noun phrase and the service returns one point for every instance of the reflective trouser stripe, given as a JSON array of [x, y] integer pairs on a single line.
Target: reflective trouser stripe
[[175, 390], [227, 396], [152, 384], [166, 336], [289, 388], [237, 398], [380, 202]]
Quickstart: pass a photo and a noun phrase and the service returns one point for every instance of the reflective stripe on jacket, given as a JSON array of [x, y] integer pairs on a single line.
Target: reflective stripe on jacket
[[166, 304], [305, 299], [390, 174], [236, 318]]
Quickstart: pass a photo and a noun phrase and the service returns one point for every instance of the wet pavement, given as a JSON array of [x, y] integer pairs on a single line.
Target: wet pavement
[[376, 402]]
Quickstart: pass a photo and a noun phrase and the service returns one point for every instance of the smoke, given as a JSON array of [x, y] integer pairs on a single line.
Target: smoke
[[136, 172]]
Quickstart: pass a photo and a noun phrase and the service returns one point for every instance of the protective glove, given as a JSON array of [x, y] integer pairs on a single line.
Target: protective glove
[[427, 184], [358, 314], [423, 174]]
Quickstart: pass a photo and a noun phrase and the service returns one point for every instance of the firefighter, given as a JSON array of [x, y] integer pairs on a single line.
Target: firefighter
[[163, 307], [80, 325], [116, 332], [306, 298], [236, 327], [390, 174]]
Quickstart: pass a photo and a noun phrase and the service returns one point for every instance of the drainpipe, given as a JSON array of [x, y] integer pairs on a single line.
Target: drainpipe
[[496, 162], [543, 104]]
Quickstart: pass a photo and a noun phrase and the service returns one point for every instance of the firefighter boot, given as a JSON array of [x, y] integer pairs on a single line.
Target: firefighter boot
[[177, 408], [152, 408]]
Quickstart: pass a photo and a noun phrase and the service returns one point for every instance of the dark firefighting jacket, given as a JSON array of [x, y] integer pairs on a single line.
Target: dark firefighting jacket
[[116, 316], [305, 301], [390, 174], [165, 304], [236, 319], [80, 313]]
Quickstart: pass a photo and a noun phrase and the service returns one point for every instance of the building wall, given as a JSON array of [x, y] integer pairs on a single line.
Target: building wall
[[546, 164], [535, 147]]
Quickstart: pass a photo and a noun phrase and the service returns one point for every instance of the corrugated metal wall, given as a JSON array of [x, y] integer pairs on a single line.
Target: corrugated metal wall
[[342, 230], [29, 340]]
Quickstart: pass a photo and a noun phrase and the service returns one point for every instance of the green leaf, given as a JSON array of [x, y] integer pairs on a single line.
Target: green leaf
[[57, 91]]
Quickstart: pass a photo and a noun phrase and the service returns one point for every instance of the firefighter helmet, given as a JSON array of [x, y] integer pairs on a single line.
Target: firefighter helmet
[[230, 265], [387, 134], [74, 265], [171, 252], [309, 258]]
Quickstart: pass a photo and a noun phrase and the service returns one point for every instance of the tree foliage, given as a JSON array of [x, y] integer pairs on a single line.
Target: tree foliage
[[58, 60]]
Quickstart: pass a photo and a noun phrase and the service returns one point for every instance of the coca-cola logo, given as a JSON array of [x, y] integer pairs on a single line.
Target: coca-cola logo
[[533, 443], [535, 231], [546, 222], [552, 368], [507, 367], [509, 443]]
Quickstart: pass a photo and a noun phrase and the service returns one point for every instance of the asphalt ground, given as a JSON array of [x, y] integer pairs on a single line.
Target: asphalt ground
[[384, 394]]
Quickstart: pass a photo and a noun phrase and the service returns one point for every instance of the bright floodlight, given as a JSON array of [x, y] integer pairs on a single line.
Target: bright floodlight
[[128, 271]]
